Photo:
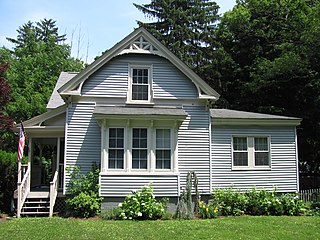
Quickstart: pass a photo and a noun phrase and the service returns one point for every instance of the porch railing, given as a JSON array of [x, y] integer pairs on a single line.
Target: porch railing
[[53, 192], [23, 190]]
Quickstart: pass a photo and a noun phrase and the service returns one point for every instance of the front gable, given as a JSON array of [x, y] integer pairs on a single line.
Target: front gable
[[113, 79], [139, 42]]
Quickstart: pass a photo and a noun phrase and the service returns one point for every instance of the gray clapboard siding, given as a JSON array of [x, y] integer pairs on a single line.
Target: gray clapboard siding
[[283, 159], [112, 79], [193, 146], [119, 185], [83, 138]]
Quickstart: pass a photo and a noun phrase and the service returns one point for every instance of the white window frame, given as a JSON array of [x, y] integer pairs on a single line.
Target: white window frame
[[251, 153], [110, 148], [171, 149], [136, 148], [149, 67], [151, 150]]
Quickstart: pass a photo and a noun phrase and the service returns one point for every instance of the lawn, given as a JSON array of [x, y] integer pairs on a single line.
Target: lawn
[[245, 227]]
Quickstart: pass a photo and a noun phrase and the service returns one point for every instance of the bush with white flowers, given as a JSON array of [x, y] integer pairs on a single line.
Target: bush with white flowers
[[142, 205]]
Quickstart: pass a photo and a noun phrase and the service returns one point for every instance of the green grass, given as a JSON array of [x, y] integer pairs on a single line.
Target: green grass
[[246, 227]]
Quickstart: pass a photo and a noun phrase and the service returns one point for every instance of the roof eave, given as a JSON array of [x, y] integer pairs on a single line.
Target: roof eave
[[255, 122]]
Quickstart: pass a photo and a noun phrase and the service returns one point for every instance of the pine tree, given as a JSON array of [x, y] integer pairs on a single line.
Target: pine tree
[[185, 27]]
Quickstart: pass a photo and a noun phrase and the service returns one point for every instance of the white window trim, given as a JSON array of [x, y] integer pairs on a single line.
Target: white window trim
[[151, 162], [171, 149], [251, 153], [130, 82]]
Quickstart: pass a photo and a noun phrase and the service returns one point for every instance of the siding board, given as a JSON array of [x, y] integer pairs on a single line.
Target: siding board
[[283, 159], [114, 185], [83, 138], [193, 146], [112, 79]]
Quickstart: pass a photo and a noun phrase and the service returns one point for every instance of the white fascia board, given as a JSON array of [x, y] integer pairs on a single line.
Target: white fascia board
[[255, 122], [118, 49], [43, 117]]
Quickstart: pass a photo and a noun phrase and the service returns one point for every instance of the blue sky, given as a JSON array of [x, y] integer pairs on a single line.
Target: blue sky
[[98, 24]]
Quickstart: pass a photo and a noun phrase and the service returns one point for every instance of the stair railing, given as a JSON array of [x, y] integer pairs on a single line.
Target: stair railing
[[53, 192], [23, 191]]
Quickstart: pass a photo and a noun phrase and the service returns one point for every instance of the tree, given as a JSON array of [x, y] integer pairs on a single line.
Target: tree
[[35, 64], [6, 122], [272, 50], [186, 28]]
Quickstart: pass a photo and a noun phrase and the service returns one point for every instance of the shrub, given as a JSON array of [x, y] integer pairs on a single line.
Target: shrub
[[257, 202], [84, 200], [8, 178], [142, 205], [231, 201]]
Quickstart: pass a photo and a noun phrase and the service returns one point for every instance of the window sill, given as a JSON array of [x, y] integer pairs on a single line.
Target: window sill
[[140, 173], [140, 103], [251, 169]]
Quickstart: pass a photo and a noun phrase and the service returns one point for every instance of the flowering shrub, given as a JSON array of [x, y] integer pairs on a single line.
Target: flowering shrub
[[208, 210], [142, 205], [257, 202], [231, 201]]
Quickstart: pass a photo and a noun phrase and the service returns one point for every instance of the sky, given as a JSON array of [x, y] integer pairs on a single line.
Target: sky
[[96, 25]]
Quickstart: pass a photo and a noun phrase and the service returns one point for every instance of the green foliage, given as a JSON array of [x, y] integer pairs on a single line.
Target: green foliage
[[256, 202], [35, 63], [271, 50], [186, 28], [208, 210], [230, 201], [8, 178], [113, 214], [84, 200], [142, 205]]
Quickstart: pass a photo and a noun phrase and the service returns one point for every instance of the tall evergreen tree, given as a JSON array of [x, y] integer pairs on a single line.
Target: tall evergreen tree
[[186, 27], [35, 64]]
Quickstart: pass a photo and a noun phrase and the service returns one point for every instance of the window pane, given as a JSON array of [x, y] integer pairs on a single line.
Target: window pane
[[163, 159], [140, 84], [261, 144], [139, 159], [116, 148], [163, 138], [261, 158], [140, 92], [240, 159], [240, 143]]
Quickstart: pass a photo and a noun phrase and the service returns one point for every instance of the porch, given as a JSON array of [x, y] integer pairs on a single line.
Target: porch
[[40, 181]]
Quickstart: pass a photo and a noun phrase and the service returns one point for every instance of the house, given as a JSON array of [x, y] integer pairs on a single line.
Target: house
[[144, 116]]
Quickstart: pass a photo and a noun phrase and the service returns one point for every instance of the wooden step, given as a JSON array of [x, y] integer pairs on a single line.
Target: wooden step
[[43, 194], [37, 202], [34, 213], [35, 207]]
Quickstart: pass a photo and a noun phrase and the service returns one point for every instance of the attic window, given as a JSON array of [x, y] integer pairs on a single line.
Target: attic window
[[140, 84]]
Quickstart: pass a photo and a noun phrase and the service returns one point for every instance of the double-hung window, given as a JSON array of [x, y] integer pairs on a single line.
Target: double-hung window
[[163, 149], [139, 148], [140, 84], [116, 148], [251, 152]]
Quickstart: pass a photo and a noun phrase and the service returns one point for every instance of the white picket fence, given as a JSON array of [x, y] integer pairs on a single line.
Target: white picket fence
[[310, 195]]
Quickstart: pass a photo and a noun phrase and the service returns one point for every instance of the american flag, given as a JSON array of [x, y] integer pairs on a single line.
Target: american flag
[[21, 142]]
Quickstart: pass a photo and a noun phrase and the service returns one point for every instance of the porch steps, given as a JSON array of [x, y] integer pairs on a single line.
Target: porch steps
[[37, 204]]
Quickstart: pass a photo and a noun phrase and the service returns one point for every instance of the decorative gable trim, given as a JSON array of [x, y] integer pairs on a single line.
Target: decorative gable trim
[[139, 41]]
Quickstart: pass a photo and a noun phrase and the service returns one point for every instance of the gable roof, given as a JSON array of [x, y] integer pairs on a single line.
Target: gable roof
[[55, 99], [139, 41], [235, 117]]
